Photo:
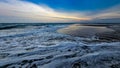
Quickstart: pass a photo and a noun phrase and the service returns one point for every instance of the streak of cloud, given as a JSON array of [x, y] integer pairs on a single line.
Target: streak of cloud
[[20, 11], [113, 12]]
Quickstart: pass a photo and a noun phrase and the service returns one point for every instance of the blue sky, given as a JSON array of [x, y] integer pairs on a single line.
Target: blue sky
[[81, 5], [44, 11]]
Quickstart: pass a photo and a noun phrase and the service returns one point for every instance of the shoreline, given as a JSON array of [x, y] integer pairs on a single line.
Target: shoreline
[[102, 32]]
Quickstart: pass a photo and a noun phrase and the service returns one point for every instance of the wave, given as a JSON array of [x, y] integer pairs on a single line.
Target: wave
[[43, 47]]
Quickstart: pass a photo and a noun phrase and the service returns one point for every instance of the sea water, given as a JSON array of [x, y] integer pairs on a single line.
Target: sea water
[[41, 46]]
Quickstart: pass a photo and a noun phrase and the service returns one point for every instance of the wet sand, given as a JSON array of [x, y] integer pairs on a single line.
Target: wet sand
[[106, 32]]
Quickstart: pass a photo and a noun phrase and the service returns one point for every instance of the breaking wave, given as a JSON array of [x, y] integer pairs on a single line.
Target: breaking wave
[[43, 47]]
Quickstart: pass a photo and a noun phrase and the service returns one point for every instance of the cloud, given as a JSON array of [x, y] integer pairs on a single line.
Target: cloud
[[110, 15], [113, 12], [12, 11], [18, 10]]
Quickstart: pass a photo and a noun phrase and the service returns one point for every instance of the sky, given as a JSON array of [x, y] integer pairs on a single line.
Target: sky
[[59, 11]]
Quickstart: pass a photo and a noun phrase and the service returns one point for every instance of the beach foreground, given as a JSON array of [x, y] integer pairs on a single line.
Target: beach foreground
[[43, 46]]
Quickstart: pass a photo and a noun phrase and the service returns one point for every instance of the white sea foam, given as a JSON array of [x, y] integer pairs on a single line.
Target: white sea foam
[[43, 47]]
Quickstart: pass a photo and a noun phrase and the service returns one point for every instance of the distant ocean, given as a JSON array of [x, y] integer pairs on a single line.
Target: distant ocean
[[22, 25]]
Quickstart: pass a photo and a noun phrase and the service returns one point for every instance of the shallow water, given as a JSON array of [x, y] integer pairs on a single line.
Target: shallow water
[[84, 31], [43, 47]]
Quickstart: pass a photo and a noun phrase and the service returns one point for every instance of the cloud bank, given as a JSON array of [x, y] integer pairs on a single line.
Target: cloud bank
[[19, 11]]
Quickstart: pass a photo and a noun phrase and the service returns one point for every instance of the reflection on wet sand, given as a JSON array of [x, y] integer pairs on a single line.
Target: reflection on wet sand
[[84, 31]]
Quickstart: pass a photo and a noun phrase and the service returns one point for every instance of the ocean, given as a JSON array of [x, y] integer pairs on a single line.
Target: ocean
[[40, 45]]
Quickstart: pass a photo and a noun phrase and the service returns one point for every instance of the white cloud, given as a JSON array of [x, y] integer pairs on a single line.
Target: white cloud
[[32, 12], [24, 11], [113, 12]]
